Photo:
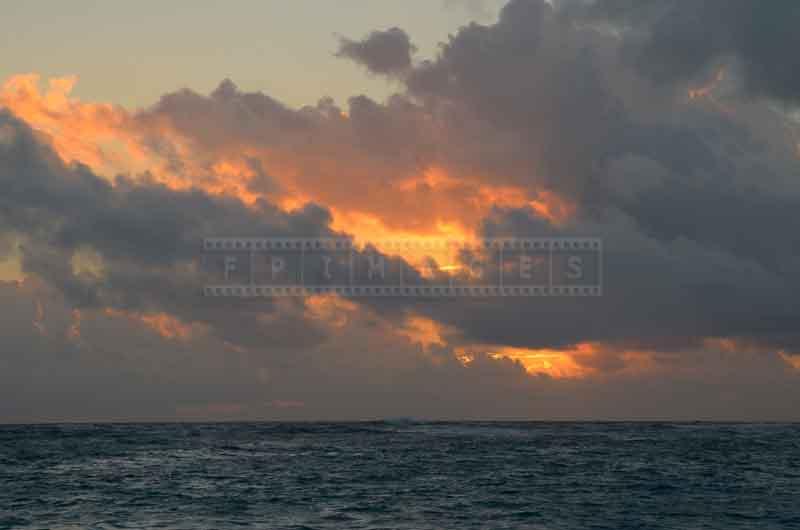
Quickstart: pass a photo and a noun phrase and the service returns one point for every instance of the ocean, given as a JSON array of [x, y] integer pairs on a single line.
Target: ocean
[[401, 475]]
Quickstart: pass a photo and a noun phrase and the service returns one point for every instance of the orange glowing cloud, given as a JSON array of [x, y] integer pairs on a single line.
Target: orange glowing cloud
[[110, 139], [706, 93], [95, 134], [333, 310], [423, 331], [367, 196], [580, 361], [739, 345], [440, 207], [165, 325], [554, 363], [74, 331], [708, 89], [791, 360]]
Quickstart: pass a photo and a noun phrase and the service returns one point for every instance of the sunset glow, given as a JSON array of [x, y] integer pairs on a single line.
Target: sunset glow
[[528, 193]]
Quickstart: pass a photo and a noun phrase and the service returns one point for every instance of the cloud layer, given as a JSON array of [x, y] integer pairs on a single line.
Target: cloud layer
[[611, 119]]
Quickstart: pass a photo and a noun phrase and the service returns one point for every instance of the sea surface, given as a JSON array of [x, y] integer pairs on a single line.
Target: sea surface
[[401, 475]]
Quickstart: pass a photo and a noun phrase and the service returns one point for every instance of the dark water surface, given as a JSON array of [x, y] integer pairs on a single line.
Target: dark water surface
[[401, 475]]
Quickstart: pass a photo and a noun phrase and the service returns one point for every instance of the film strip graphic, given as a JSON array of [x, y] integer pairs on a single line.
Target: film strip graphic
[[516, 267]]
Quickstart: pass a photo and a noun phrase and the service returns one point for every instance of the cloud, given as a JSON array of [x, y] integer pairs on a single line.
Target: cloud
[[386, 52], [146, 235], [137, 323], [673, 41], [539, 124], [694, 203], [143, 376]]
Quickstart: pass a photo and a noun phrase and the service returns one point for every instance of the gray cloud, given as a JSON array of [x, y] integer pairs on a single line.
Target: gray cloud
[[120, 371], [381, 52], [148, 236], [669, 40]]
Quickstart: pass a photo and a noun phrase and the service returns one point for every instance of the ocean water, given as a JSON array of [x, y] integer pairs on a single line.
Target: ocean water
[[401, 475]]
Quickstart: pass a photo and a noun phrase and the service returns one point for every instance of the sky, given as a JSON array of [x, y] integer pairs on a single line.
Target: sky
[[666, 130], [132, 52]]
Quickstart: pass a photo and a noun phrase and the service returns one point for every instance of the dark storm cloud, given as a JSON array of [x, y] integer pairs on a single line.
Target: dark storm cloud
[[381, 52], [671, 40], [524, 99], [660, 293], [695, 204]]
